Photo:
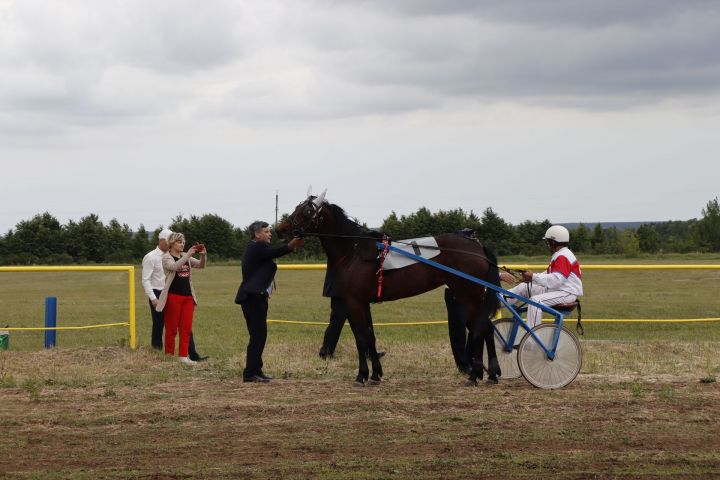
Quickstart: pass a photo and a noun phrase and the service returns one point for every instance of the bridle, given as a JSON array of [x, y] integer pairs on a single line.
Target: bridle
[[311, 216]]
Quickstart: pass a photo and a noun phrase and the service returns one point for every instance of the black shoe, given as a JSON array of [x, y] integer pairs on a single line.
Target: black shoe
[[325, 353], [200, 358], [256, 379], [266, 377]]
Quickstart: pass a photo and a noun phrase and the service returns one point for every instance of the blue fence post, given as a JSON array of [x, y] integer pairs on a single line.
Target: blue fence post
[[50, 321]]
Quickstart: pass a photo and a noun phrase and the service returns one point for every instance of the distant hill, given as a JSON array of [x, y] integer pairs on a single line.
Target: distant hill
[[619, 225]]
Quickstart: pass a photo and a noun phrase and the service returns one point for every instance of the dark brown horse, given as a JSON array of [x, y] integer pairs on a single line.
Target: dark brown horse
[[353, 252]]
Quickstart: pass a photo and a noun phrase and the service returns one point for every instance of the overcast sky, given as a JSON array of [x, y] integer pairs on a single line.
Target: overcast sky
[[564, 110]]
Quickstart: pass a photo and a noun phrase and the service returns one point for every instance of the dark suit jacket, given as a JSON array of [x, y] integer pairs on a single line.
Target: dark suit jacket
[[258, 269], [329, 285]]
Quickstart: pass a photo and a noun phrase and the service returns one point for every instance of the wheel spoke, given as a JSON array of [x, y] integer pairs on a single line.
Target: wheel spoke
[[543, 372], [507, 360]]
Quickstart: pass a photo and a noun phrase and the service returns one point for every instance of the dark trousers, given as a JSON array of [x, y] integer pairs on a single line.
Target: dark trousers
[[338, 315], [158, 324], [457, 326], [255, 308]]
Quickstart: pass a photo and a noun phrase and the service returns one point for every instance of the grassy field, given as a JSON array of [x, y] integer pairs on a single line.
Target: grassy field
[[646, 404], [86, 298]]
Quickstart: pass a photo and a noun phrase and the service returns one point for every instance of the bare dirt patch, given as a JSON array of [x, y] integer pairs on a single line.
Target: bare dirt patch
[[173, 422]]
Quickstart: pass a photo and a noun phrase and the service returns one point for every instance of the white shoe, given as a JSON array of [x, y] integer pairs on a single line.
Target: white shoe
[[187, 361]]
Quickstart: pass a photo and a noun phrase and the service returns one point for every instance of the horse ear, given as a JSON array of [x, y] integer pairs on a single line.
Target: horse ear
[[319, 200], [309, 190]]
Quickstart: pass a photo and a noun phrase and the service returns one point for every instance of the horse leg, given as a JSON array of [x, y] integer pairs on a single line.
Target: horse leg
[[476, 342], [377, 371], [486, 310], [359, 326], [488, 336]]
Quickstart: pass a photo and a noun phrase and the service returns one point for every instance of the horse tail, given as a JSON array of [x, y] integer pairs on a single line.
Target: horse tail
[[491, 302]]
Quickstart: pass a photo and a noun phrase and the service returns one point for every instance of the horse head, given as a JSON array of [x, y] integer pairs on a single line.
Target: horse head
[[304, 219]]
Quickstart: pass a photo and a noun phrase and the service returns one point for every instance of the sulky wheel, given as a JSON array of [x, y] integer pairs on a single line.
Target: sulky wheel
[[507, 360], [538, 369]]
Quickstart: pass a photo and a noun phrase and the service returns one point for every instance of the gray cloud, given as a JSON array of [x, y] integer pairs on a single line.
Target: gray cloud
[[95, 62], [552, 13], [503, 51]]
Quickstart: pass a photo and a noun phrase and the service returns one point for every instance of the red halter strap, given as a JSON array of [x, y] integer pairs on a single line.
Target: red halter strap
[[386, 243]]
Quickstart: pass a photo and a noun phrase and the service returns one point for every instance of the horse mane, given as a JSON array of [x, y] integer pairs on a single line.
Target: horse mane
[[347, 226], [359, 239]]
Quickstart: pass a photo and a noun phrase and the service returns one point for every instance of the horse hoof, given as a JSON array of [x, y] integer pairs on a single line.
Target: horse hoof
[[492, 381], [471, 383], [358, 383], [374, 381]]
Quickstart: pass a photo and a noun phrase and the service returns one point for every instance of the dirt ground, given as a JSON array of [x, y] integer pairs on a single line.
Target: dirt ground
[[215, 426]]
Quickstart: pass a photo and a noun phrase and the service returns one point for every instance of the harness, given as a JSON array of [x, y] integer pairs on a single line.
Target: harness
[[311, 212], [379, 273]]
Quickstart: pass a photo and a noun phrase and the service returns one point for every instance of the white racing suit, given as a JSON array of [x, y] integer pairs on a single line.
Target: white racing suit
[[561, 283]]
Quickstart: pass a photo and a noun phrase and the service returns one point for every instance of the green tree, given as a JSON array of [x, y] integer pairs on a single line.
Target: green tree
[[678, 236], [614, 243], [420, 223], [118, 241], [450, 221], [708, 227], [218, 236], [425, 223], [141, 243], [496, 233], [599, 240], [392, 225], [39, 239], [186, 226], [580, 239], [4, 248], [629, 243], [87, 239], [216, 233], [648, 238], [528, 237]]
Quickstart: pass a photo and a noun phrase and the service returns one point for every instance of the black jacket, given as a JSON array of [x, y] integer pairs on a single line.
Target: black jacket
[[329, 285], [258, 269]]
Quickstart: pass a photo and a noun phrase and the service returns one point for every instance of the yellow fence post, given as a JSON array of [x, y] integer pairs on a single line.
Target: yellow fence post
[[131, 286]]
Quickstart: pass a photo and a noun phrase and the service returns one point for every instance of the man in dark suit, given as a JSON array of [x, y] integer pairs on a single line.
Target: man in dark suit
[[258, 273], [457, 325], [338, 314]]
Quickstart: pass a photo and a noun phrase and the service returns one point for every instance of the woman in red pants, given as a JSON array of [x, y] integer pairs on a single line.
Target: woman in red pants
[[177, 299]]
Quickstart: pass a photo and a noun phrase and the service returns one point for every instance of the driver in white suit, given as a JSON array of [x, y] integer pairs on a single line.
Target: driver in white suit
[[562, 281]]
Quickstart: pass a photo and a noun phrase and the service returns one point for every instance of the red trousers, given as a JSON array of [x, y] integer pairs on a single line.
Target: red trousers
[[178, 315]]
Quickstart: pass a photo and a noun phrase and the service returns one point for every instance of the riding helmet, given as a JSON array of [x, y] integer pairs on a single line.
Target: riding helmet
[[557, 234]]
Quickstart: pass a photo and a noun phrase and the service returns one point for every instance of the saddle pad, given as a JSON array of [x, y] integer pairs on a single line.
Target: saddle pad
[[395, 260]]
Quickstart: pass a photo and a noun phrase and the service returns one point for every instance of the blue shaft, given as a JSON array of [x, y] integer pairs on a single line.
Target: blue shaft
[[464, 275], [50, 321]]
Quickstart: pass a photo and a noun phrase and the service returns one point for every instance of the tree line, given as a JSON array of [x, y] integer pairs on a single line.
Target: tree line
[[44, 240]]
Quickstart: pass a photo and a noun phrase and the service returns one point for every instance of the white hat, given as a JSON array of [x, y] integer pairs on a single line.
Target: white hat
[[557, 233], [164, 234]]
